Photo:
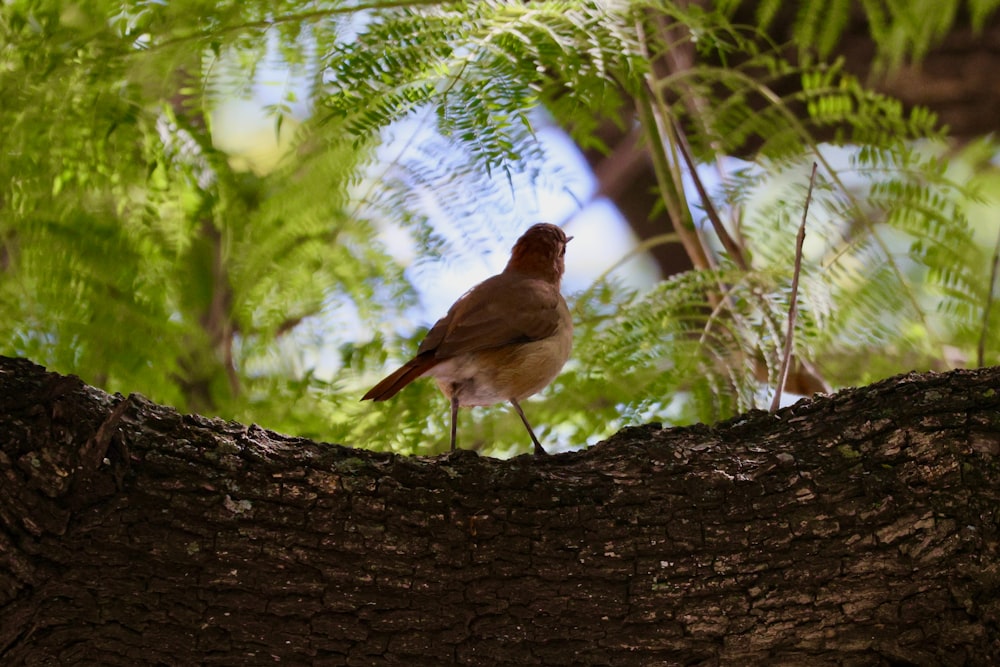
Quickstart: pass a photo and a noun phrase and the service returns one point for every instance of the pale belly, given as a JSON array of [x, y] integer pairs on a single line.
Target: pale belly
[[496, 376]]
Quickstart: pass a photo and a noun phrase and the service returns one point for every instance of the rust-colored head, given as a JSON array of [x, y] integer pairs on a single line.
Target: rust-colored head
[[540, 252]]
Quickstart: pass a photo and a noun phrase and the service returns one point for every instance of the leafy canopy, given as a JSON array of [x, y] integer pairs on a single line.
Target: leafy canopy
[[137, 254]]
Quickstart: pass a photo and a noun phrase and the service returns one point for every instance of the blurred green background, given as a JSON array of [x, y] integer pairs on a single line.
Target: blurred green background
[[254, 210]]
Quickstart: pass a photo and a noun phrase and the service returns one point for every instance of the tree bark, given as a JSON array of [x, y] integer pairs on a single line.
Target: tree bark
[[853, 529]]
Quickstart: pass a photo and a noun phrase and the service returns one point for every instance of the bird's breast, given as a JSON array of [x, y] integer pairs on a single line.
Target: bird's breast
[[515, 371]]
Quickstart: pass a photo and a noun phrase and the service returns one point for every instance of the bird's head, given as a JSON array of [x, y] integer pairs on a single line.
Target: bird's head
[[540, 252]]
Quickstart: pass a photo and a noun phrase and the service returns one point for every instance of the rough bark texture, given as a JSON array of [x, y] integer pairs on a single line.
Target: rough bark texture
[[855, 529]]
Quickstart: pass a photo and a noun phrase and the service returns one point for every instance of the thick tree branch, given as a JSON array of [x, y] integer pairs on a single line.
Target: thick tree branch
[[860, 528]]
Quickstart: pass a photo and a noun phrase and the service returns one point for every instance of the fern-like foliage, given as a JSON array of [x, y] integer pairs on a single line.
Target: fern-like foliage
[[882, 225], [136, 254]]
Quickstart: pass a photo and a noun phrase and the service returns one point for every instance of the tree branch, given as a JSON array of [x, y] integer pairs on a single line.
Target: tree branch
[[859, 528], [786, 353]]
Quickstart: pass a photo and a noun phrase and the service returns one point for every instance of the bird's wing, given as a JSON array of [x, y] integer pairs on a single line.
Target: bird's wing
[[497, 312]]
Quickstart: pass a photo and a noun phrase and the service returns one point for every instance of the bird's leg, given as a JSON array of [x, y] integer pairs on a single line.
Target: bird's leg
[[454, 414], [538, 446]]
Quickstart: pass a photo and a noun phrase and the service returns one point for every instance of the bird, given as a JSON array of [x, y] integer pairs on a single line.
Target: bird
[[505, 339]]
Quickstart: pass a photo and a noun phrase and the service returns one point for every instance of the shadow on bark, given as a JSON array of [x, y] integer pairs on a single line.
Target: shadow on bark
[[854, 529]]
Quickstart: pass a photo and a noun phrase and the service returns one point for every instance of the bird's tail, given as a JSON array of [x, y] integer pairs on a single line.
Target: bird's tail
[[406, 374]]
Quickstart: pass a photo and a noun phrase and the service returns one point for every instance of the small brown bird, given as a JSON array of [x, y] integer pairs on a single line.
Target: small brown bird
[[503, 340]]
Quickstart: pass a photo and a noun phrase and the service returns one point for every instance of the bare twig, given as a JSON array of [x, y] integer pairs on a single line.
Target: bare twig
[[786, 355], [732, 248], [654, 116], [679, 60], [991, 287]]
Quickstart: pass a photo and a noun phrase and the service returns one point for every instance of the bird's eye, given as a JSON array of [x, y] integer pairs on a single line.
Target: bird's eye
[[562, 253]]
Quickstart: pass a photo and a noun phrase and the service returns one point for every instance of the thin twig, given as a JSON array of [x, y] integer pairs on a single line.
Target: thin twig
[[786, 355], [991, 287], [734, 251], [659, 131]]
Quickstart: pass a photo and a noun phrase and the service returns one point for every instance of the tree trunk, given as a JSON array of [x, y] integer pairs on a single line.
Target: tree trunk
[[858, 529]]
